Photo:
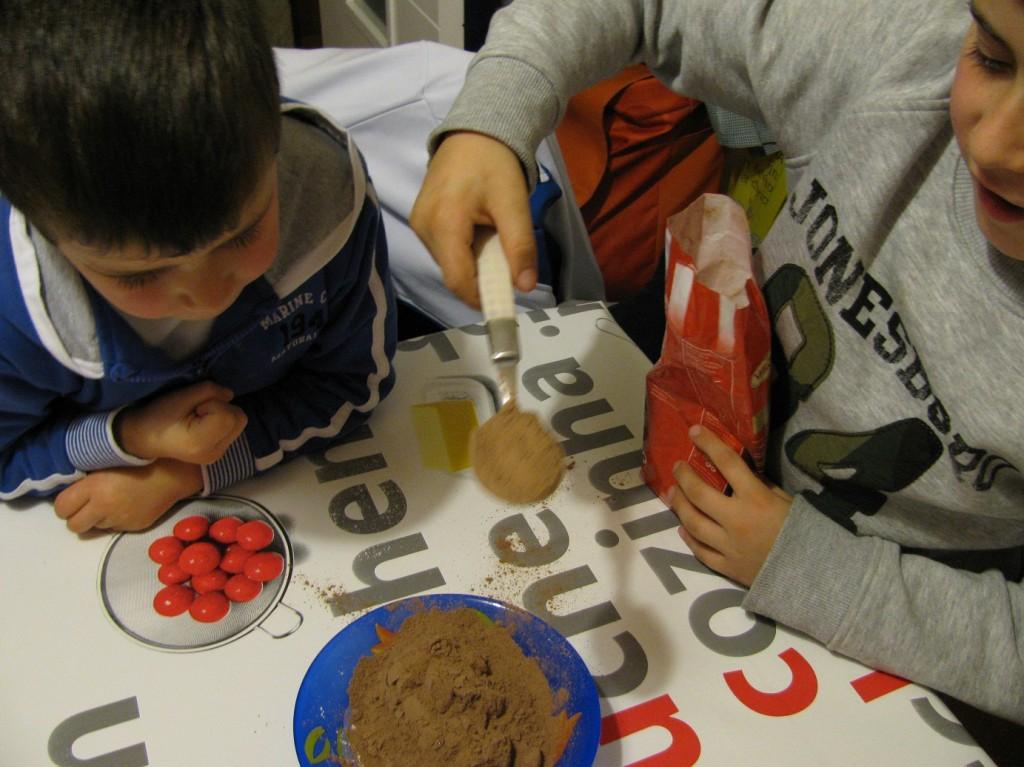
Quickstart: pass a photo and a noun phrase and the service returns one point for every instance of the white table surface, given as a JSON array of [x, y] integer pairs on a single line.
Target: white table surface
[[687, 677]]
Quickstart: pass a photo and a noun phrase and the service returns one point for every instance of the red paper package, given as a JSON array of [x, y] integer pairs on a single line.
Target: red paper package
[[715, 358]]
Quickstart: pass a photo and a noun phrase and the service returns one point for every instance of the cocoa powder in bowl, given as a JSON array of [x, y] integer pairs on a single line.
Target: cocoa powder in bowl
[[515, 457], [452, 689]]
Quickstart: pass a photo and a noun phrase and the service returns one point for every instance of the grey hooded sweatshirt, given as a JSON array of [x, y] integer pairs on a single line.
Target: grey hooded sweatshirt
[[898, 398]]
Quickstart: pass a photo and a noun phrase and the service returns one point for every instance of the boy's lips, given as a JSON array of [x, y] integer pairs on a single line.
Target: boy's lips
[[997, 207]]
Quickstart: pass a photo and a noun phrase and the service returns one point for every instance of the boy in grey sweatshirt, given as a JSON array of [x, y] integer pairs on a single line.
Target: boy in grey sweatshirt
[[895, 280]]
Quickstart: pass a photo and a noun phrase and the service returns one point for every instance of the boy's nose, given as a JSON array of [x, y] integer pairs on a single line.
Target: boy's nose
[[207, 292]]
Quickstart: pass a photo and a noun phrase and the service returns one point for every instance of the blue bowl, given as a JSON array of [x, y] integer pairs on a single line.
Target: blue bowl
[[322, 702]]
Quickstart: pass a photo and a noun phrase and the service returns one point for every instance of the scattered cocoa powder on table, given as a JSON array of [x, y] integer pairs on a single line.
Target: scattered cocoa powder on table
[[452, 689]]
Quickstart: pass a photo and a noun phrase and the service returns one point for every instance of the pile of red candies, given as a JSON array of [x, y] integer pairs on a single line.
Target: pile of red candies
[[205, 567]]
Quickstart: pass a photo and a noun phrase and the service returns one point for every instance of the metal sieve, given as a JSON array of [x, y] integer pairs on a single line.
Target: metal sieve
[[128, 582]]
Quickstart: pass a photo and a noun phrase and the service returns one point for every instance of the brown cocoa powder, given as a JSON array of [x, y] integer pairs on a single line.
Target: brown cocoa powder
[[452, 689], [515, 457]]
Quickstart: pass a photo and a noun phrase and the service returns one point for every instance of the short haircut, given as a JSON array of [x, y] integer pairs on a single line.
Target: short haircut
[[135, 121]]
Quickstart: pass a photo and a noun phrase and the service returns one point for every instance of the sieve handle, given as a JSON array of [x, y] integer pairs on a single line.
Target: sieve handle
[[295, 620]]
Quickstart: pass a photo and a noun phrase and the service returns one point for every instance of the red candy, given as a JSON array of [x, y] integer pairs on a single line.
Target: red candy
[[165, 550], [241, 588], [214, 580], [209, 607], [173, 600], [254, 535], [264, 566], [191, 528], [205, 567], [224, 530], [198, 558], [171, 574], [234, 559]]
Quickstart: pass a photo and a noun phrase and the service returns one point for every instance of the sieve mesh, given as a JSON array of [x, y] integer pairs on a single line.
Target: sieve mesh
[[128, 582]]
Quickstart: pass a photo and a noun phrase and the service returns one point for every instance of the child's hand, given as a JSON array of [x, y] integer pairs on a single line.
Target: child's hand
[[127, 498], [195, 424], [474, 180], [730, 534]]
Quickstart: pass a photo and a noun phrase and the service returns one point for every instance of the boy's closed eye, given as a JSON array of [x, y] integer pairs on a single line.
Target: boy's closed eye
[[241, 240], [987, 62], [988, 49], [247, 237], [138, 279]]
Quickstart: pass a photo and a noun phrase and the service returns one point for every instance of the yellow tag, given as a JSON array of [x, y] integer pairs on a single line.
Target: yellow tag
[[759, 186]]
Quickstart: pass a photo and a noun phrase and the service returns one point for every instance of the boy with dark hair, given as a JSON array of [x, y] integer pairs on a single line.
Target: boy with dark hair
[[196, 276]]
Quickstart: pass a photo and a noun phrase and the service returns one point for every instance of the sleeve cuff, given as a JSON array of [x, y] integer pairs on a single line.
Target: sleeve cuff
[[522, 109], [91, 445], [813, 574], [235, 465]]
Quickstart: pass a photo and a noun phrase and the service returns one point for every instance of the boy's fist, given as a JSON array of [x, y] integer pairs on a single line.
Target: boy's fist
[[195, 424]]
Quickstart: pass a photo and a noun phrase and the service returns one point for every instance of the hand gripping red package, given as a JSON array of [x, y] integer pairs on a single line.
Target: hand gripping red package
[[715, 358]]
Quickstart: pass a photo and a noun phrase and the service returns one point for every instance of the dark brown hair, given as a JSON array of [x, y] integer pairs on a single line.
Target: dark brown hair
[[135, 120]]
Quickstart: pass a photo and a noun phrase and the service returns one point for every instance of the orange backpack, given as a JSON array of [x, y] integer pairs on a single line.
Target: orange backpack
[[636, 153]]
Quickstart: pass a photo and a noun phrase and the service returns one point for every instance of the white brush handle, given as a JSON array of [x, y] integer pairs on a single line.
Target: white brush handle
[[493, 277]]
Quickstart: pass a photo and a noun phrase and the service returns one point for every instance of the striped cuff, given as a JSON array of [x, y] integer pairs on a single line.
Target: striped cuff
[[91, 445], [235, 465]]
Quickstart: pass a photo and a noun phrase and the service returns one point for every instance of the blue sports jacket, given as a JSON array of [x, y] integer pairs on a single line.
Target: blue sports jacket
[[307, 348]]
